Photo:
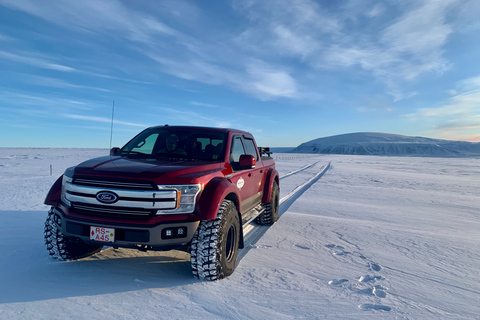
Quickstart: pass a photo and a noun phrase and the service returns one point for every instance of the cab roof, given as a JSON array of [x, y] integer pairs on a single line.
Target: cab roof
[[199, 128]]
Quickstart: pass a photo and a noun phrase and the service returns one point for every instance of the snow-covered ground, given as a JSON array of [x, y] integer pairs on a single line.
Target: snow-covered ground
[[364, 237]]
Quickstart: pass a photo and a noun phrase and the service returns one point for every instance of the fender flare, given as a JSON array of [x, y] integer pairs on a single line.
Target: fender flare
[[272, 175], [212, 196], [54, 195]]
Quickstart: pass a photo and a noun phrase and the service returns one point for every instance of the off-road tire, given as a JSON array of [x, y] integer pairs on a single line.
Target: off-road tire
[[65, 248], [270, 215], [214, 246]]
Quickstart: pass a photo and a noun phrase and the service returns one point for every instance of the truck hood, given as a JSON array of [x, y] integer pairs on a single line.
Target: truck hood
[[148, 169]]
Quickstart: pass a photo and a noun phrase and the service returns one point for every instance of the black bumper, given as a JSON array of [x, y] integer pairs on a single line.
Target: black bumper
[[164, 235]]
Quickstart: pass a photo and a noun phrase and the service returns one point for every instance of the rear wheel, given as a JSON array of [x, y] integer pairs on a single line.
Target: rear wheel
[[214, 246], [65, 248], [270, 215]]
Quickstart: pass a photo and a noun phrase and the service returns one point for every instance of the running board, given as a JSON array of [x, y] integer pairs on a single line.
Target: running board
[[252, 214]]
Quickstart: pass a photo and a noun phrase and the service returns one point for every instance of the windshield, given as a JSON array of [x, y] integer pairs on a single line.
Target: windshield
[[177, 143]]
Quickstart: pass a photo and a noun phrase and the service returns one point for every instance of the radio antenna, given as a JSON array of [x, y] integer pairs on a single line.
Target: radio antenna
[[111, 127]]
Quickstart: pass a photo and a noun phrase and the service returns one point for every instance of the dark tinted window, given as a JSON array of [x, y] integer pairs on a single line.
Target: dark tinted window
[[171, 142]]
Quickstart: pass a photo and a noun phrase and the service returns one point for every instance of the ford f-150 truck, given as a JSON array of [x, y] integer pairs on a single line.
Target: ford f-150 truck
[[169, 187]]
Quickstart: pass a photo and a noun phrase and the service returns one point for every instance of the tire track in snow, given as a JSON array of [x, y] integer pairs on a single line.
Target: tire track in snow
[[253, 232], [290, 198], [299, 170]]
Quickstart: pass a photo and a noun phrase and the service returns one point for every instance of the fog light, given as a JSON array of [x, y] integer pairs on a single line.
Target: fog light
[[57, 220], [175, 232]]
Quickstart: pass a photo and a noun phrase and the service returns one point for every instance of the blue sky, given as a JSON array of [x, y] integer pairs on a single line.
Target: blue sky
[[288, 71]]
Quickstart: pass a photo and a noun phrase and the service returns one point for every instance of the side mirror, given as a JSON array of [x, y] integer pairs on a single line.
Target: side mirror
[[114, 151], [247, 161]]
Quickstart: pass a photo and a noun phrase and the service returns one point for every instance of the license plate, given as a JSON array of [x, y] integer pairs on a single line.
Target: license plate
[[102, 234]]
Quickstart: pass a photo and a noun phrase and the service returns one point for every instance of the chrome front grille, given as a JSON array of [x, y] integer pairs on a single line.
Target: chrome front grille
[[132, 199]]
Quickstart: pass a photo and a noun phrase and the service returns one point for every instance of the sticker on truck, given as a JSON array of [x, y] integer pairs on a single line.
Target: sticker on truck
[[240, 183]]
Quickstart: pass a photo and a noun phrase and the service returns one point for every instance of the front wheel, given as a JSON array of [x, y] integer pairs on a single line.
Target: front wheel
[[65, 248], [214, 246]]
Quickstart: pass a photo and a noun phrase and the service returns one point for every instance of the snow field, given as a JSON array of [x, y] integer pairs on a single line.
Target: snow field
[[371, 237]]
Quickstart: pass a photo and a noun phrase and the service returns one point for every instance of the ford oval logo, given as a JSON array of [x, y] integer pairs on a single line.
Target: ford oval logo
[[107, 197]]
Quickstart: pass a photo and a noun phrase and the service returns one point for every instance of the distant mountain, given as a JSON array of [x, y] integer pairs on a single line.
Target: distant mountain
[[372, 143]]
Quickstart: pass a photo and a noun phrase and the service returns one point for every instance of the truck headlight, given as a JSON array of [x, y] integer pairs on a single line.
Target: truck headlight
[[186, 198], [65, 180]]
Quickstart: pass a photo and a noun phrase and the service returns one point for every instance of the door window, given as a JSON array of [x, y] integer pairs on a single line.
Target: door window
[[237, 149], [250, 147]]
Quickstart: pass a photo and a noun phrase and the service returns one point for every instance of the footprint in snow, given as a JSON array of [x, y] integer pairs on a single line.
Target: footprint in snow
[[369, 278], [301, 247], [337, 282], [375, 266], [377, 291], [334, 246], [337, 250], [367, 307]]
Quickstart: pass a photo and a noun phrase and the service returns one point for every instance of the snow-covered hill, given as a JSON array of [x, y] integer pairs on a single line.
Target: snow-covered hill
[[371, 143]]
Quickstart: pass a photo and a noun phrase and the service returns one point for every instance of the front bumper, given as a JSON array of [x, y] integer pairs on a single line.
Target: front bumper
[[156, 237]]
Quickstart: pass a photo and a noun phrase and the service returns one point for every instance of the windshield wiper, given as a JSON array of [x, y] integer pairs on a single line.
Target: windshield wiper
[[133, 152]]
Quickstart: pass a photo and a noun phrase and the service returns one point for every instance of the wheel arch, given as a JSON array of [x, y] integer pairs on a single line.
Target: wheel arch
[[212, 196], [55, 193], [215, 192], [272, 176]]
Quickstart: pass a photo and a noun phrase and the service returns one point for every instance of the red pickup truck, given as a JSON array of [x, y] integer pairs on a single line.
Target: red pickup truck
[[169, 187]]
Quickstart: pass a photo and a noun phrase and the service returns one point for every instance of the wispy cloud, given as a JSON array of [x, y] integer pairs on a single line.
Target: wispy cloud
[[464, 105], [459, 116], [59, 83], [377, 10], [48, 102], [367, 38], [460, 124], [4, 37], [34, 60], [101, 119], [203, 104], [192, 118], [94, 16], [469, 84], [106, 76], [268, 81], [342, 40], [258, 79]]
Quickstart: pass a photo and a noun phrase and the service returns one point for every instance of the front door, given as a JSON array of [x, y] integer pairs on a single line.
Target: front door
[[248, 181]]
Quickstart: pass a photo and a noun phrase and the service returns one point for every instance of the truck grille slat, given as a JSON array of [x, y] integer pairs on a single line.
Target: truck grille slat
[[111, 211], [114, 184]]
